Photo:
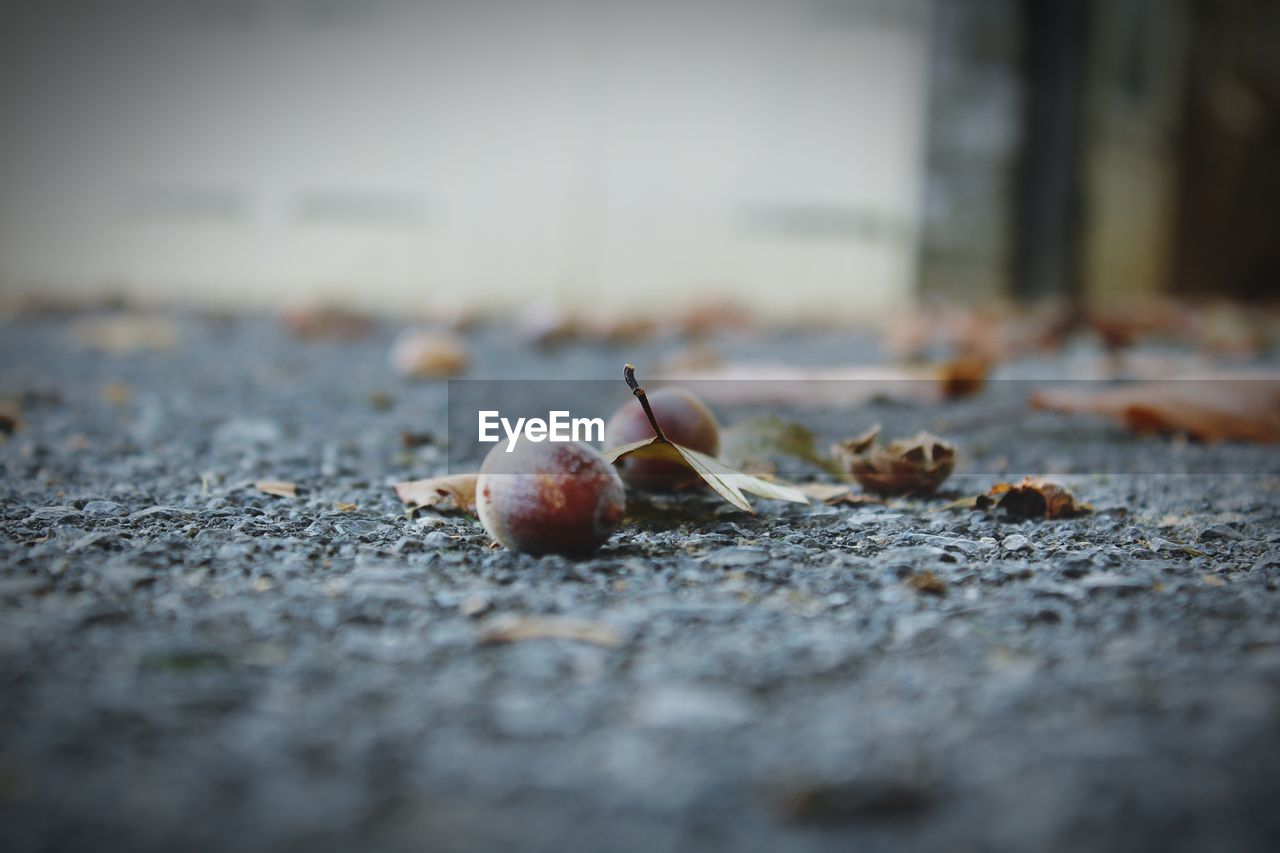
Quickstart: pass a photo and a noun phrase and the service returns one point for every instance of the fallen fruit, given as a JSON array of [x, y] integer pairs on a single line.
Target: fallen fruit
[[727, 482], [685, 420], [549, 498]]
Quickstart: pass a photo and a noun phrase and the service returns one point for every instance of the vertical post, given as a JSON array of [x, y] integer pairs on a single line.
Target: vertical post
[[1047, 229]]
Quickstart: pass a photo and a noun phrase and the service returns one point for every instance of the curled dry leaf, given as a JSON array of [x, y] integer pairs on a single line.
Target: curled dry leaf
[[520, 628], [428, 355], [1208, 410], [455, 491], [1032, 498], [279, 488], [917, 465]]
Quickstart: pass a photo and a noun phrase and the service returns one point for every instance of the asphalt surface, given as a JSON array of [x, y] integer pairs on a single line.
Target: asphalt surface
[[187, 663]]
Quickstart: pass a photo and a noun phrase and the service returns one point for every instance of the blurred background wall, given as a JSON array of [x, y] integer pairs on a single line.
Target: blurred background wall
[[812, 158], [487, 152]]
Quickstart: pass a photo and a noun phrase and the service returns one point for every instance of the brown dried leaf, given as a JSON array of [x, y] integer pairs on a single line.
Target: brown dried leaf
[[455, 491], [917, 465], [963, 376], [1206, 410], [410, 439], [927, 583], [325, 322], [767, 383], [428, 355], [279, 488], [1032, 498], [521, 628]]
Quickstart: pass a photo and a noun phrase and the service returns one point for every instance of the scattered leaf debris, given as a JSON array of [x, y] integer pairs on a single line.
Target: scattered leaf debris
[[1032, 498], [1246, 409], [421, 354], [452, 491], [917, 465], [518, 629], [325, 322], [279, 488]]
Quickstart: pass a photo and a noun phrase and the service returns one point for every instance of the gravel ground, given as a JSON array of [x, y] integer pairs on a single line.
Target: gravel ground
[[189, 664]]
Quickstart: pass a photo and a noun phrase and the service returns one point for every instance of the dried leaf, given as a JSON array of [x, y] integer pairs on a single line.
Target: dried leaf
[[752, 442], [547, 325], [410, 439], [343, 506], [325, 322], [1032, 498], [521, 628], [917, 465], [727, 482], [279, 488], [1206, 410], [764, 383], [455, 491], [428, 355], [713, 315], [928, 583], [963, 376]]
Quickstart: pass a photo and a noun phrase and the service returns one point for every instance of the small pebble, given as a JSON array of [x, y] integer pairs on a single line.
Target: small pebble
[[1016, 542], [103, 508]]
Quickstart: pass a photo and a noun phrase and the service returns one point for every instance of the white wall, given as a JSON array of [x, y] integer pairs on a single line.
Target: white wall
[[481, 152]]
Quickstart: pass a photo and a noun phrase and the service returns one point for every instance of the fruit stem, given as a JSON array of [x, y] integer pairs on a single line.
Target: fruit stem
[[629, 374]]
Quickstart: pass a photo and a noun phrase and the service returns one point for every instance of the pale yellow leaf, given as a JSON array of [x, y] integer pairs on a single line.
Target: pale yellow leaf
[[455, 491], [279, 488]]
